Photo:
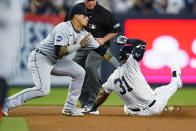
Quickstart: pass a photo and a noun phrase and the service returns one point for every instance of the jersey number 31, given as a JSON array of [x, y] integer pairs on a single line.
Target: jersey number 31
[[121, 81]]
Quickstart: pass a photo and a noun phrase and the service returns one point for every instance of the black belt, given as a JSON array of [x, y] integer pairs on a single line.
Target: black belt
[[137, 109], [37, 50]]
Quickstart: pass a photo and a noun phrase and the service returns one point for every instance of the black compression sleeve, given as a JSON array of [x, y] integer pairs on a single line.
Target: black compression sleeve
[[101, 50], [57, 49]]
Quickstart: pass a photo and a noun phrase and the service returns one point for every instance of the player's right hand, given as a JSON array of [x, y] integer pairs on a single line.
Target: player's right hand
[[85, 40]]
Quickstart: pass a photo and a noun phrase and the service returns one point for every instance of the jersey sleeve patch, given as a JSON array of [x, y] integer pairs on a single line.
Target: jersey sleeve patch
[[59, 38], [116, 26]]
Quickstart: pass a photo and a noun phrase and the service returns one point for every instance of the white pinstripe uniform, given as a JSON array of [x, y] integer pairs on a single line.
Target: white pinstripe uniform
[[130, 85], [44, 61]]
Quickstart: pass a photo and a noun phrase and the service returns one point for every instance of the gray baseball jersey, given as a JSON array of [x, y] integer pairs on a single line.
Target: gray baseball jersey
[[130, 85], [64, 35]]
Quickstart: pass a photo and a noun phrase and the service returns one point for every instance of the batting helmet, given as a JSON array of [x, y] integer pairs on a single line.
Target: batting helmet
[[125, 51]]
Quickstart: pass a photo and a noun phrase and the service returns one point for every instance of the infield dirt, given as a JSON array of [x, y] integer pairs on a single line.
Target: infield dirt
[[49, 118]]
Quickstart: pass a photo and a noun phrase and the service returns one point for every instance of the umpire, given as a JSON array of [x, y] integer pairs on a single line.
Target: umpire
[[103, 26]]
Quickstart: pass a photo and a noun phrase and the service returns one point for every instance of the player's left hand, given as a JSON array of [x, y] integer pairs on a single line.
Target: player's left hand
[[100, 41]]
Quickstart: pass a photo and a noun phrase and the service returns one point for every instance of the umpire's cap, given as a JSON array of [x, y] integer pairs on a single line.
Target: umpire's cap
[[125, 51], [78, 9]]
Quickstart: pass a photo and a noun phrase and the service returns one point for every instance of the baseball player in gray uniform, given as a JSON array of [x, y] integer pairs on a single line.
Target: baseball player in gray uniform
[[49, 57], [130, 85]]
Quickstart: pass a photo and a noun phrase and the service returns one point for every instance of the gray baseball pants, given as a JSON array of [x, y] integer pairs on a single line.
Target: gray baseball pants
[[41, 68]]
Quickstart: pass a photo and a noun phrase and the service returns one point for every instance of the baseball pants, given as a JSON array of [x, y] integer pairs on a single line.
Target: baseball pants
[[162, 95], [41, 68], [91, 61]]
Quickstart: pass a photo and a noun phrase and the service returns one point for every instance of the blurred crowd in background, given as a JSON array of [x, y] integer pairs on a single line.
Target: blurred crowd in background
[[116, 6]]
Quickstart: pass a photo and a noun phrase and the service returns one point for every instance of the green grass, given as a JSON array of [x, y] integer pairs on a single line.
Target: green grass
[[184, 97], [13, 124], [57, 96]]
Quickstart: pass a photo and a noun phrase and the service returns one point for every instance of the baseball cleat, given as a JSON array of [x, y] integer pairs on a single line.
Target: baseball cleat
[[84, 108], [172, 108], [95, 112], [176, 73], [91, 111], [74, 112]]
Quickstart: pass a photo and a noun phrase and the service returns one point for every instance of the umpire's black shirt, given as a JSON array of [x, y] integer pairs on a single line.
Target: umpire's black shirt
[[101, 22]]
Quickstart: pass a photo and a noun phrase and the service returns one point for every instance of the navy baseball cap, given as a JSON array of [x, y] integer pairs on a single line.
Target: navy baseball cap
[[78, 9]]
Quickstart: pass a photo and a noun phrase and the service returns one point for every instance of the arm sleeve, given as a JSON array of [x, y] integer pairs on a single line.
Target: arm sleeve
[[57, 49], [101, 50]]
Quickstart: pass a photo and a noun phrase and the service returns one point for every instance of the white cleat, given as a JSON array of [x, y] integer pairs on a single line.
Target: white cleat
[[176, 73], [74, 112], [90, 111], [94, 112], [84, 109]]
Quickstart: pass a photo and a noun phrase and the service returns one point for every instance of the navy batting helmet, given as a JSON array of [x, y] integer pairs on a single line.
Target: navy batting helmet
[[125, 51]]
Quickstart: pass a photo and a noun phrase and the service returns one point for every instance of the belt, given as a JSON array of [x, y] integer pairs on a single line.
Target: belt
[[137, 109], [37, 50]]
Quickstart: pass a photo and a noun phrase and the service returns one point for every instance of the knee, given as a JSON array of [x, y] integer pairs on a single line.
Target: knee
[[80, 73], [90, 68], [44, 92]]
